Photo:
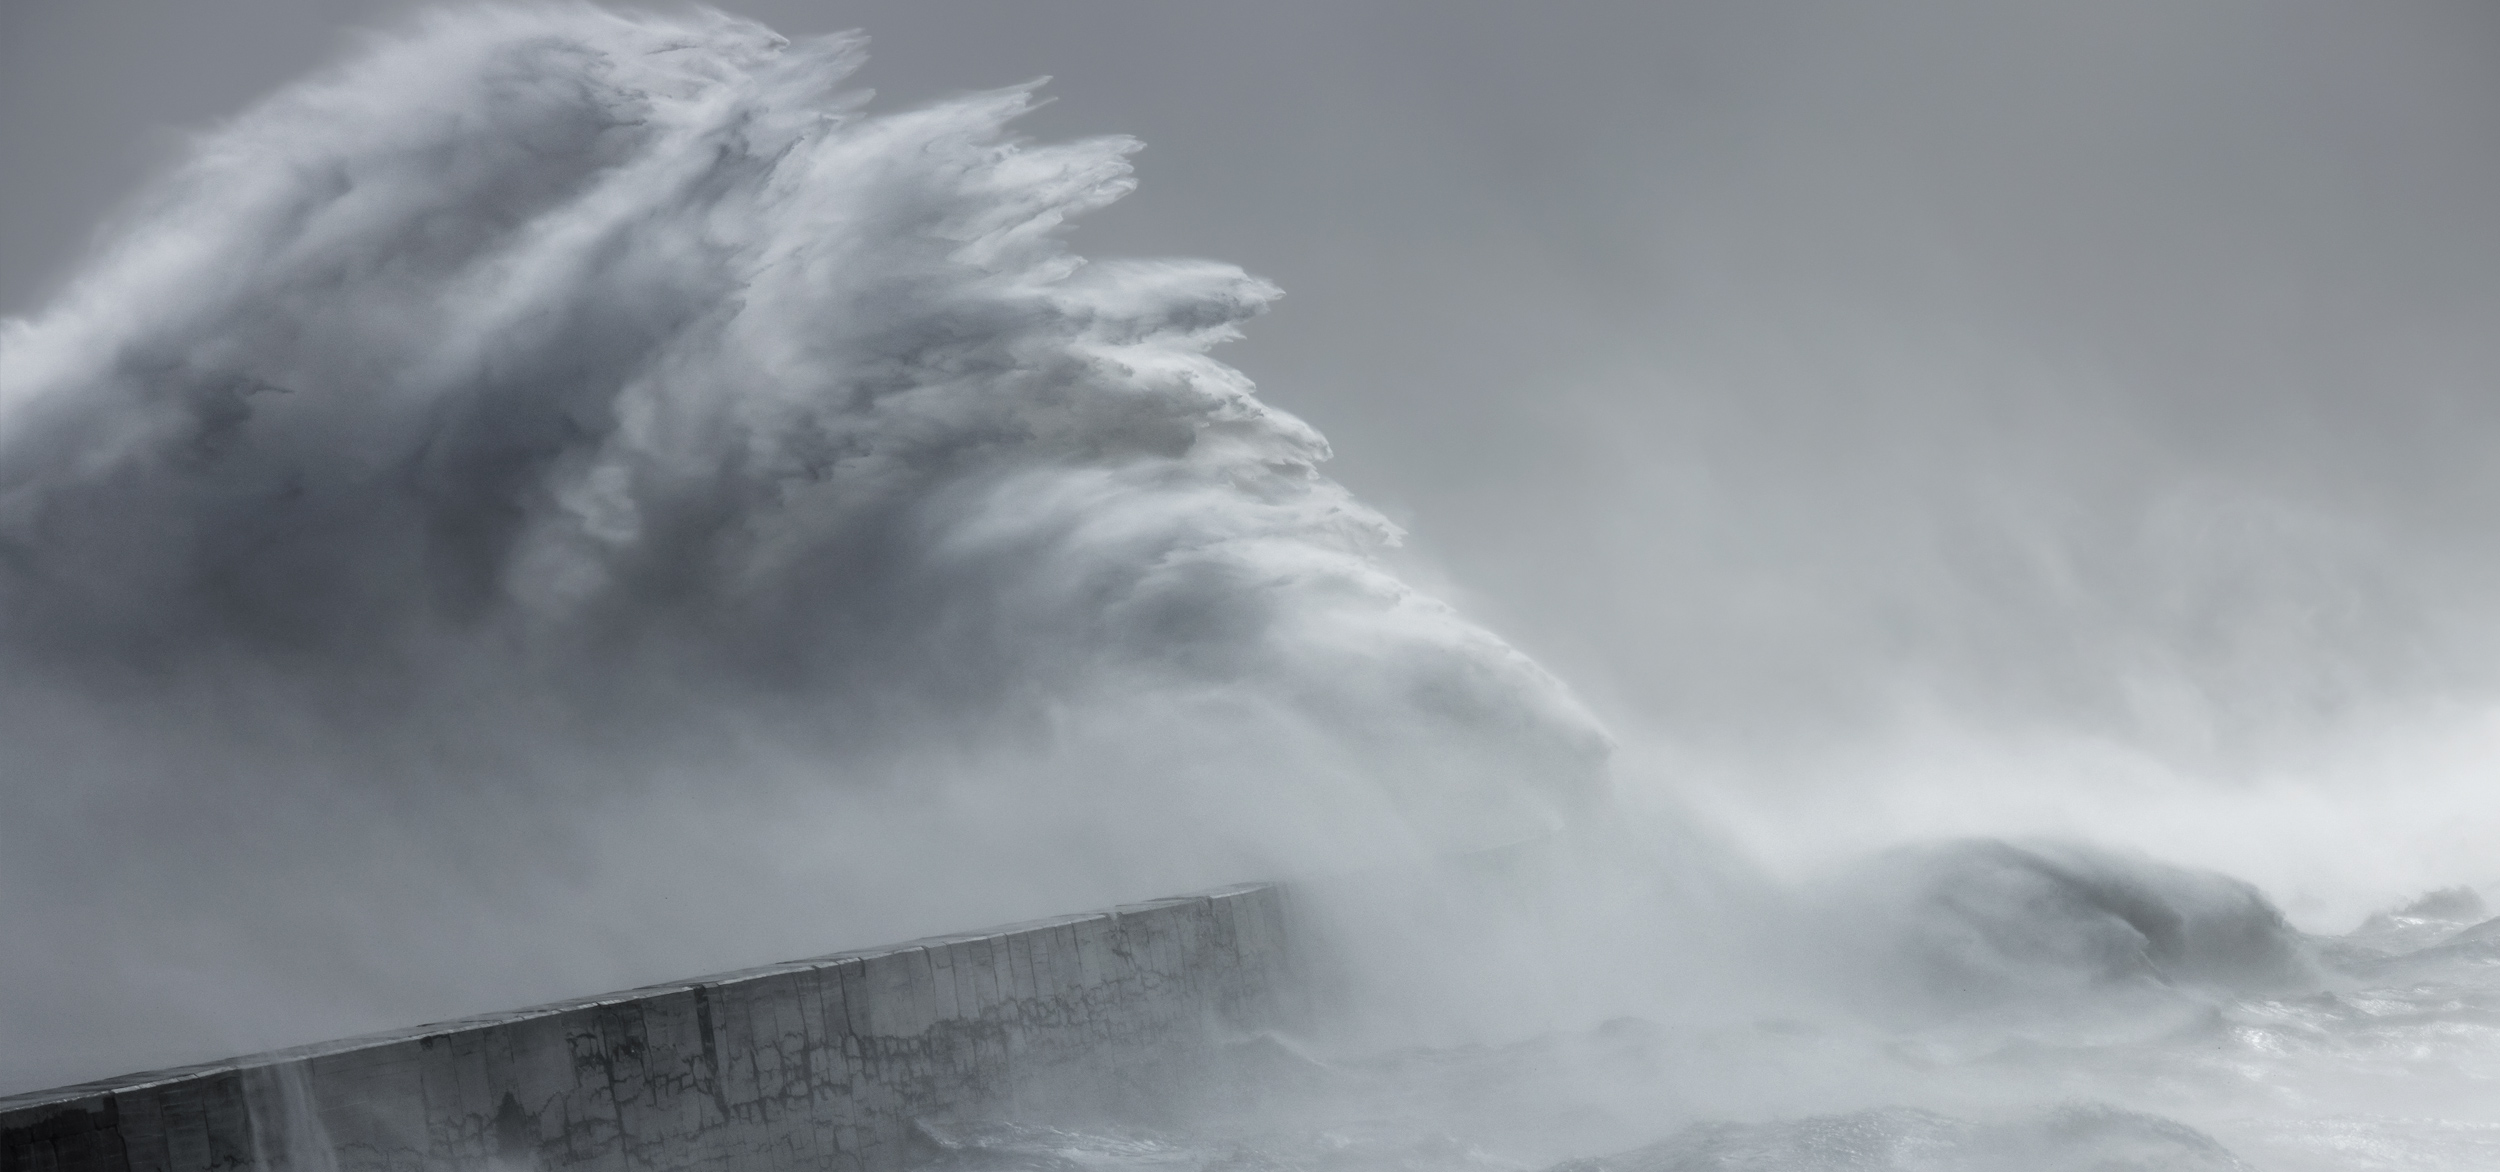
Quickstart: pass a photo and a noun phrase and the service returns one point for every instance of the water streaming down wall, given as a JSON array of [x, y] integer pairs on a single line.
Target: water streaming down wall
[[830, 1063]]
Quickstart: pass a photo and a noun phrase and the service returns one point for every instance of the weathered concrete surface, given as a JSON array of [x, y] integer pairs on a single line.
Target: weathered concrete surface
[[815, 1064]]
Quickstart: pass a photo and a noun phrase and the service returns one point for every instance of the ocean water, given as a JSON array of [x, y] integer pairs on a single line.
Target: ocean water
[[2388, 1059]]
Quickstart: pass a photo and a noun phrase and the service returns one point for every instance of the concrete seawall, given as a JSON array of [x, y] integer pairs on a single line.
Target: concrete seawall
[[815, 1064]]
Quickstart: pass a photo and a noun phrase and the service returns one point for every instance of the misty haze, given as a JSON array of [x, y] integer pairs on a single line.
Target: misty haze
[[1780, 586]]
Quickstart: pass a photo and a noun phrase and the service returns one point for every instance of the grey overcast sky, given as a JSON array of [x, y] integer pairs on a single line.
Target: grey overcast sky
[[1767, 369]]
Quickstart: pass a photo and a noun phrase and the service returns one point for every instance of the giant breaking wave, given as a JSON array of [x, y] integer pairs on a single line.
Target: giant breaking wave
[[552, 405]]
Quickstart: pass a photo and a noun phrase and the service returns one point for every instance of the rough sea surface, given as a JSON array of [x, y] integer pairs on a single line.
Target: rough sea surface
[[2392, 1063]]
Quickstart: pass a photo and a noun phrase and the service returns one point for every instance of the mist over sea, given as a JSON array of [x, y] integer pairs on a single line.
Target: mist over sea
[[566, 499]]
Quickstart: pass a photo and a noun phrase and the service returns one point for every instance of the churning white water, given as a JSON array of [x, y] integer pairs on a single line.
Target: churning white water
[[569, 500], [1985, 1007]]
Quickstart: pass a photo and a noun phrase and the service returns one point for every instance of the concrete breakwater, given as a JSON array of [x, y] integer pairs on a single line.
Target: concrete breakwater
[[828, 1063]]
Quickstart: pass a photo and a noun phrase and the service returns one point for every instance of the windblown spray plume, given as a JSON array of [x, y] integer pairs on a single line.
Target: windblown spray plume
[[571, 497]]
